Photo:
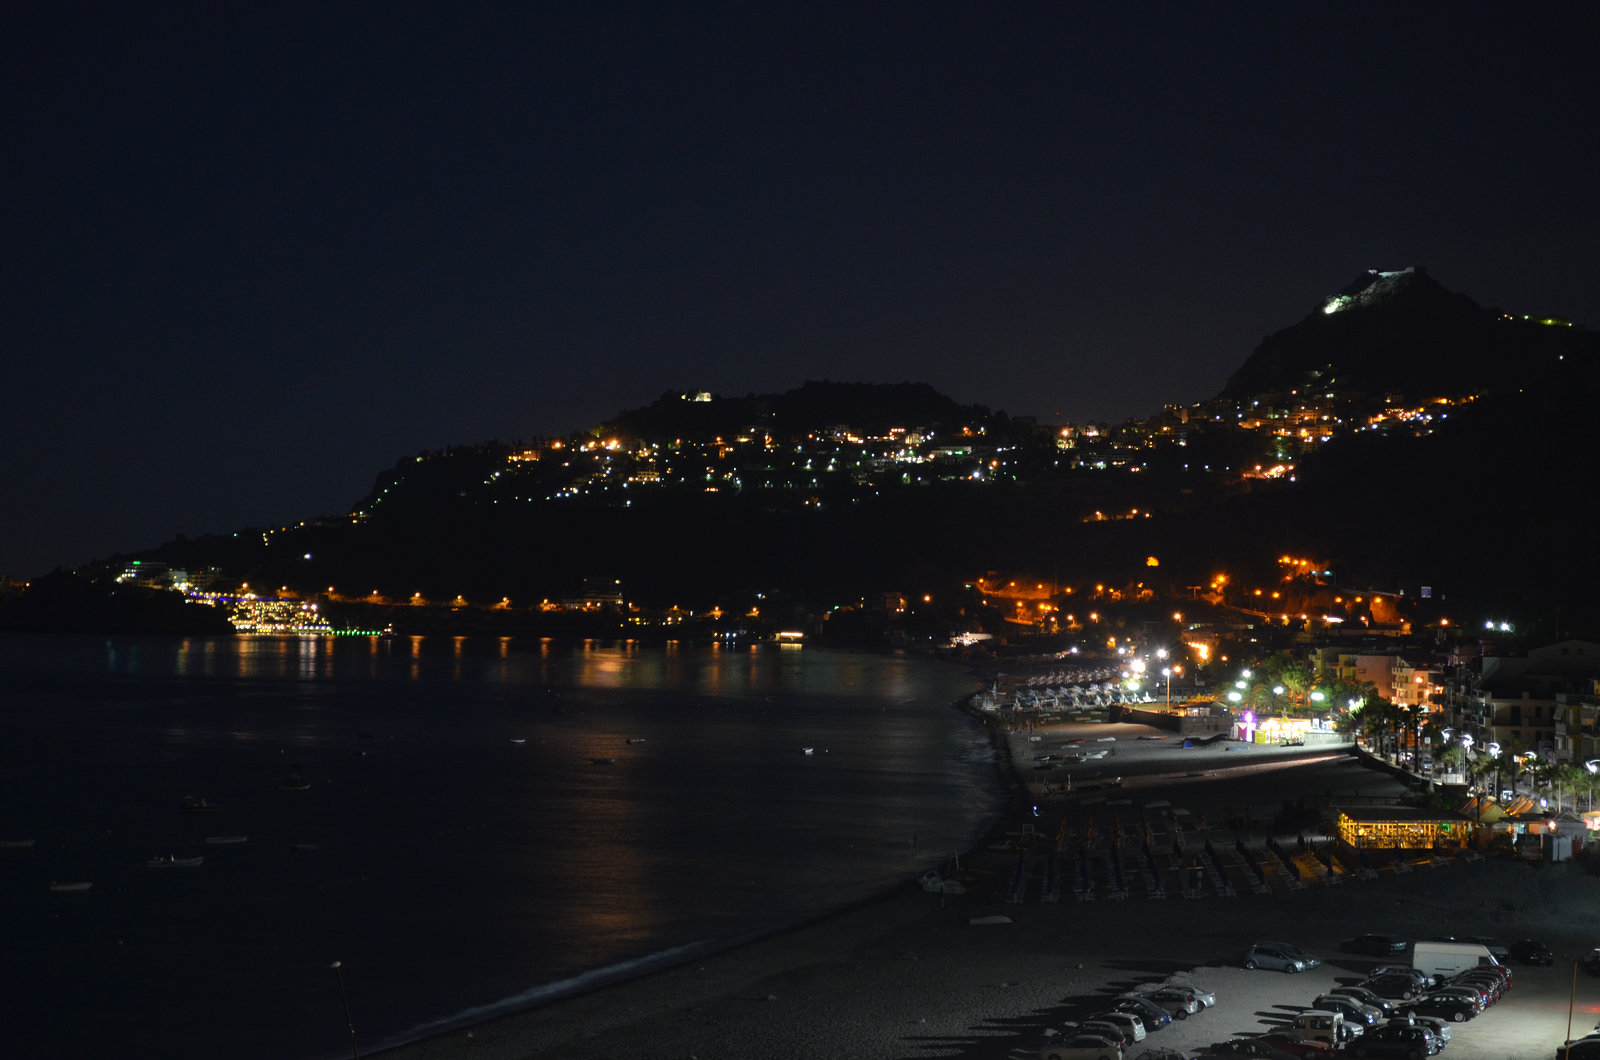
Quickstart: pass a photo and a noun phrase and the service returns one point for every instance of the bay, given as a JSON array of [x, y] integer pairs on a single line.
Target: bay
[[468, 826]]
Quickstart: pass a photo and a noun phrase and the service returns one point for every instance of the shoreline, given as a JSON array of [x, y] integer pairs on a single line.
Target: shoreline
[[914, 973], [529, 1037]]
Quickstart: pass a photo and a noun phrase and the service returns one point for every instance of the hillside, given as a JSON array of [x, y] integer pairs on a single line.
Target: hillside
[[828, 494], [1402, 334]]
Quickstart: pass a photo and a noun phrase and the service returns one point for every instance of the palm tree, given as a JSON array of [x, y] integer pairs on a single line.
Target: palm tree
[[1451, 757], [1540, 770], [1589, 784], [1567, 779]]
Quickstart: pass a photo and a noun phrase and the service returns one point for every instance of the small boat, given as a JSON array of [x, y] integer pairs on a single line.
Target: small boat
[[604, 761], [933, 882], [220, 840], [808, 750], [71, 888], [518, 739], [170, 862], [947, 882], [636, 739]]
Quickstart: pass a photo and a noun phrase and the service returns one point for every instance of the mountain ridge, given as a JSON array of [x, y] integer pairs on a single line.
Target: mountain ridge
[[832, 491]]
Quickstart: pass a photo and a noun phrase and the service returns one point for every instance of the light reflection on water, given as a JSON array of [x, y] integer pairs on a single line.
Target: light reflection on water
[[504, 865]]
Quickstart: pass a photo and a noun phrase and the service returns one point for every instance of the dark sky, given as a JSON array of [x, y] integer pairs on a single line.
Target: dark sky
[[257, 253]]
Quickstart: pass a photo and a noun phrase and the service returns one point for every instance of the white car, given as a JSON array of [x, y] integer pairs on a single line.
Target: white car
[[1082, 1047], [1132, 1026]]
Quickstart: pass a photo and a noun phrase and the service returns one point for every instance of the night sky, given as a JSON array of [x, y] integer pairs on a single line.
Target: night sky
[[257, 253]]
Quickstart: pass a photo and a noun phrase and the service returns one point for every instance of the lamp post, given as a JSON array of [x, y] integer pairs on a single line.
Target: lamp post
[[1166, 671], [348, 1022]]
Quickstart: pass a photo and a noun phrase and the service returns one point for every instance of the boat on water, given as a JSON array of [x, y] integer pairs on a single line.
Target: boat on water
[[170, 862], [808, 750], [518, 739], [72, 888], [636, 739], [936, 884], [220, 840], [948, 881]]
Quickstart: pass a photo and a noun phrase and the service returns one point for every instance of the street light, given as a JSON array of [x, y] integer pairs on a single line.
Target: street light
[[1166, 671], [347, 1020]]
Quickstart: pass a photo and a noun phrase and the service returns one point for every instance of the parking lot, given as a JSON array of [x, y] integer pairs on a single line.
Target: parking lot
[[1528, 1022], [1204, 940]]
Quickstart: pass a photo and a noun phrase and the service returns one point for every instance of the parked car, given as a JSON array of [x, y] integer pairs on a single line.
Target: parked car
[[1393, 985], [1454, 1009], [1374, 945], [1131, 1026], [1303, 1048], [1366, 997], [1082, 1047], [1532, 951], [1264, 1049], [1354, 1011], [1421, 978], [1396, 1039], [1489, 986], [1153, 1015], [1440, 1027], [1580, 1049], [1181, 1003], [1502, 970], [1279, 957], [1479, 999], [1206, 997], [1501, 951]]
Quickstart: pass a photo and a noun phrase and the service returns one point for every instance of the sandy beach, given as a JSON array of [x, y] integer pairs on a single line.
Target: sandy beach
[[912, 976]]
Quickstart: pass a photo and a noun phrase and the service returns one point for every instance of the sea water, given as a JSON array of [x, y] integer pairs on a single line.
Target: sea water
[[468, 826]]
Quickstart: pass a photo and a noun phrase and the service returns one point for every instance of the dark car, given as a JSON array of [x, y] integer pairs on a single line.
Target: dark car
[[1580, 1049], [1393, 985], [1366, 997], [1490, 986], [1396, 1039], [1422, 978], [1354, 1011], [1154, 1016], [1475, 993], [1454, 1009], [1532, 951], [1250, 1047], [1374, 945]]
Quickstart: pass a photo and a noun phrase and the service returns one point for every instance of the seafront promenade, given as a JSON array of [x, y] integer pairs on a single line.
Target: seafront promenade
[[913, 976]]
